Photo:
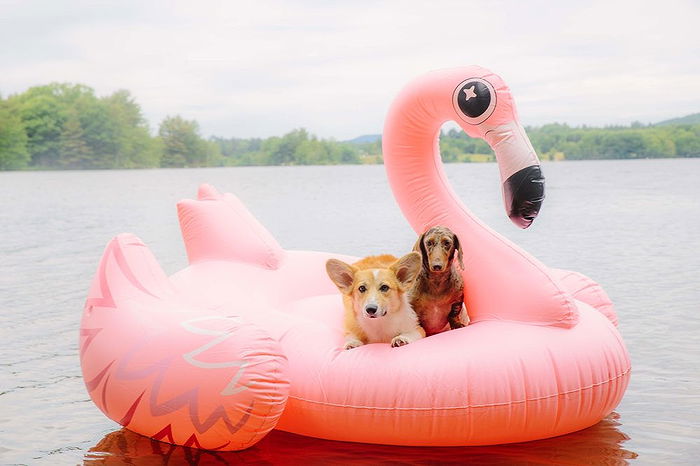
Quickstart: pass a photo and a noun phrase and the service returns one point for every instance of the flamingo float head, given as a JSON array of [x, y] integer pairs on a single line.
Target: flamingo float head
[[485, 109], [480, 102]]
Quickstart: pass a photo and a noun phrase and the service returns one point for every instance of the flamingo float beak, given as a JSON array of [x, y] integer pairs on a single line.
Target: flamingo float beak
[[524, 192], [481, 114]]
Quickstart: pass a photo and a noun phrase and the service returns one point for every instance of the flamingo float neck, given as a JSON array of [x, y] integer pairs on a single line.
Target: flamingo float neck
[[502, 281]]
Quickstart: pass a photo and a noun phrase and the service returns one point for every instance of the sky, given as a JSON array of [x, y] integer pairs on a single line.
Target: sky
[[263, 68]]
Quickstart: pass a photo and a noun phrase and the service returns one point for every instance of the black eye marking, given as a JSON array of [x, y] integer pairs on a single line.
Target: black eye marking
[[474, 100], [384, 288], [362, 288]]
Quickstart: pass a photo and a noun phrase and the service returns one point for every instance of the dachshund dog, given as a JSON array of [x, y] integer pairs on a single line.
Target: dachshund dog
[[438, 294]]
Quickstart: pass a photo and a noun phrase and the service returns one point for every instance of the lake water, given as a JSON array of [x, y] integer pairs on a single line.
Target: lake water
[[634, 226]]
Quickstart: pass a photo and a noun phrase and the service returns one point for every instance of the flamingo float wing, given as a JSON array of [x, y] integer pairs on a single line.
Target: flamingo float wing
[[231, 232], [174, 369]]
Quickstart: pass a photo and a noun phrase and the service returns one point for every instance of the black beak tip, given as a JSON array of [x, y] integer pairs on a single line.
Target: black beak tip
[[524, 193], [521, 221]]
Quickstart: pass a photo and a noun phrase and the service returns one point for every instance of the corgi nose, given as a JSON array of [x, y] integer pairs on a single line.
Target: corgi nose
[[437, 267], [371, 310]]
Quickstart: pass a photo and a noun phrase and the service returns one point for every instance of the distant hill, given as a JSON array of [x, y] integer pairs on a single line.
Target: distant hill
[[365, 138], [692, 119]]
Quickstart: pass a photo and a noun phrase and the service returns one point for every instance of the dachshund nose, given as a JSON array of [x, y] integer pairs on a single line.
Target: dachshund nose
[[371, 310], [437, 267]]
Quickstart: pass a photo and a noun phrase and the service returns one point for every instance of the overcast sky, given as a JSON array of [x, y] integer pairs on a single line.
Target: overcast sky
[[261, 68]]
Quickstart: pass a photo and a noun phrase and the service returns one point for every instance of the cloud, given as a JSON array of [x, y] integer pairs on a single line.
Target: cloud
[[259, 68]]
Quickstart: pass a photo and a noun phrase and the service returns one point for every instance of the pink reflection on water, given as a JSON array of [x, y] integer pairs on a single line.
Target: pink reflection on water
[[600, 444]]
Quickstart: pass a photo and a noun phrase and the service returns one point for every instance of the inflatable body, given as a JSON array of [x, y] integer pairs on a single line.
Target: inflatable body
[[249, 336]]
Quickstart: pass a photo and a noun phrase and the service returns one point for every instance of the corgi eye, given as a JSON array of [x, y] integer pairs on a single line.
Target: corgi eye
[[384, 288], [362, 288]]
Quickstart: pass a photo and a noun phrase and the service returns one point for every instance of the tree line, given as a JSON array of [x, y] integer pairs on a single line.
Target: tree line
[[561, 142], [66, 126]]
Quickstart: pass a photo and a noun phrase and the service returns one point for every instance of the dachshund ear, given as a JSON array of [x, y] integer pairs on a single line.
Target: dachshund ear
[[458, 249], [420, 247]]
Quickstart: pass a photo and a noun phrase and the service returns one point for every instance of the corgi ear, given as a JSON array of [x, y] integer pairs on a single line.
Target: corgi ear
[[342, 274], [407, 268], [419, 244]]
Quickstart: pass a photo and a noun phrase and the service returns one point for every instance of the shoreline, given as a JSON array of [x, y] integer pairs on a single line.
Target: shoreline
[[542, 160]]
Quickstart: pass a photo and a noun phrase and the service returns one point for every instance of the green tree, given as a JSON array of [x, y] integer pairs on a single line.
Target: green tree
[[182, 144], [237, 151], [455, 145], [348, 154], [13, 140], [74, 151], [284, 150], [68, 126], [44, 111], [130, 140], [42, 116], [687, 140]]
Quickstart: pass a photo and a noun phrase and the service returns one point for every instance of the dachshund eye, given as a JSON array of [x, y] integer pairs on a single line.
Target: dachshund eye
[[362, 288], [430, 243], [446, 244], [384, 288]]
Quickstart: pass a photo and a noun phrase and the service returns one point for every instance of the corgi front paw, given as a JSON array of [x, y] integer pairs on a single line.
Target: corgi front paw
[[352, 343], [400, 340]]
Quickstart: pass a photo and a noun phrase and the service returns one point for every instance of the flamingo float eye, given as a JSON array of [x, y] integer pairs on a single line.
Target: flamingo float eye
[[474, 100]]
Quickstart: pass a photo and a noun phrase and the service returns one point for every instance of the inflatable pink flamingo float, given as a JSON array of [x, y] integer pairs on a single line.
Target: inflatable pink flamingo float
[[249, 336]]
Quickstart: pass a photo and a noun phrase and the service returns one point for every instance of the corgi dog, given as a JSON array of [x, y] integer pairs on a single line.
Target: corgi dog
[[377, 298]]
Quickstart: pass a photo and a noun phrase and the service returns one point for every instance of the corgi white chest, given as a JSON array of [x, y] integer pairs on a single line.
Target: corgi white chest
[[383, 329]]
